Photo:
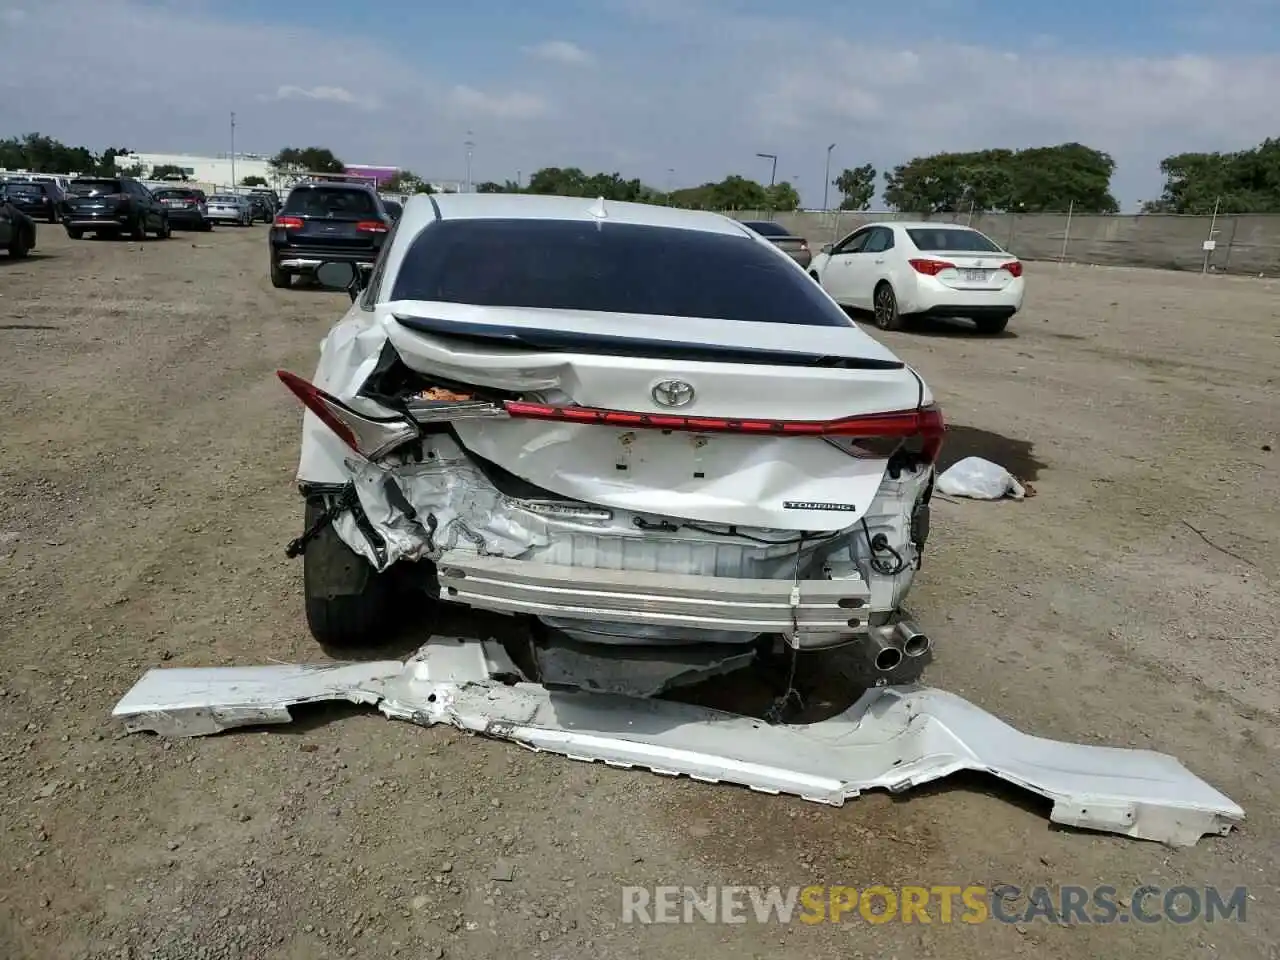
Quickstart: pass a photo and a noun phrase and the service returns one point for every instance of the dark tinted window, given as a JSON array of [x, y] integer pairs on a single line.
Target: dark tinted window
[[938, 239], [767, 228], [171, 194], [610, 268], [23, 189], [327, 201], [93, 188]]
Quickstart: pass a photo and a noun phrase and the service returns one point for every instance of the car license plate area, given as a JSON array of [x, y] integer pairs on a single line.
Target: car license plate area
[[975, 276]]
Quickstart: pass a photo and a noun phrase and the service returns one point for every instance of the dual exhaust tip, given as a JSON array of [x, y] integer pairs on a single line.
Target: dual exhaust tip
[[892, 644]]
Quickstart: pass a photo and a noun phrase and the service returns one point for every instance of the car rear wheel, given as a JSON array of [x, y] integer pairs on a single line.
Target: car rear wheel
[[348, 603], [138, 231], [21, 244], [886, 308], [280, 278], [205, 226], [75, 233], [53, 216], [991, 325], [166, 229]]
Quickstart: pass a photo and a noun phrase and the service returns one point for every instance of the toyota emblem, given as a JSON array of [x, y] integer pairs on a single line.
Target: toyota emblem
[[673, 393]]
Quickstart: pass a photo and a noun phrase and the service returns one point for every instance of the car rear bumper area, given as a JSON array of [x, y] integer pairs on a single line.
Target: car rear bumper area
[[812, 614], [308, 258]]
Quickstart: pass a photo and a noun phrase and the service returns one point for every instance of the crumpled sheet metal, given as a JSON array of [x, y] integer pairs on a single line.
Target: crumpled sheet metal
[[892, 738]]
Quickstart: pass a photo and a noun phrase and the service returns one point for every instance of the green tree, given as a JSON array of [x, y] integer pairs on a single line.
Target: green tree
[[1247, 181], [732, 193], [253, 181], [293, 162], [1032, 180], [106, 165], [782, 196], [492, 186], [162, 170], [41, 154], [857, 186], [406, 181]]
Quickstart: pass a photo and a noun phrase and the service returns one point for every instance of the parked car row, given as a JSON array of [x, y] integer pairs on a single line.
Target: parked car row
[[117, 205]]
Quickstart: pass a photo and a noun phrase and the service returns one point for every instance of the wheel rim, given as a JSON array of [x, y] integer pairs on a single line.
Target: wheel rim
[[884, 307]]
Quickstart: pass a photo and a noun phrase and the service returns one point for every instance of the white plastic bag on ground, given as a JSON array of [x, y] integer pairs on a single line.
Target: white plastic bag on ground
[[979, 479]]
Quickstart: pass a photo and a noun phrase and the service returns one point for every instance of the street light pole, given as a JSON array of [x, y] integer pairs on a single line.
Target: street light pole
[[470, 145], [826, 181], [233, 150], [773, 176]]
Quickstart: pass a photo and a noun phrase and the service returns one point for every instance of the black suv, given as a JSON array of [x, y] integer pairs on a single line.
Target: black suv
[[323, 221], [35, 198], [112, 206]]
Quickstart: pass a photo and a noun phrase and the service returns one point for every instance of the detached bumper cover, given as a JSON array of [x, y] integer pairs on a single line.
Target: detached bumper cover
[[893, 738]]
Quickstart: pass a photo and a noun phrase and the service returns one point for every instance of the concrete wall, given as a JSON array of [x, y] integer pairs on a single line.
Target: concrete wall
[[1249, 243]]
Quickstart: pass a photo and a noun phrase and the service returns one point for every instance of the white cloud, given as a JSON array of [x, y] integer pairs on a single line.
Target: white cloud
[[468, 101], [730, 85], [562, 52], [324, 94]]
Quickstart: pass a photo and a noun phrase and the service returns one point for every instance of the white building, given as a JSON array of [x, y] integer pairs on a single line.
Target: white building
[[211, 170]]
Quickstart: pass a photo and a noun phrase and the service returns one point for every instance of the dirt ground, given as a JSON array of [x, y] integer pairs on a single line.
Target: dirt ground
[[146, 494]]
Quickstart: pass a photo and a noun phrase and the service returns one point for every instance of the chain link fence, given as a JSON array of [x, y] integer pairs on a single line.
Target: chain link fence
[[1236, 243]]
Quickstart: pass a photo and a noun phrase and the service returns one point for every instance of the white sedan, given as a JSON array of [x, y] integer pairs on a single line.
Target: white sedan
[[901, 270]]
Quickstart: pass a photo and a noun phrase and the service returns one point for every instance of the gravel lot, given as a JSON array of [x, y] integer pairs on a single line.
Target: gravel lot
[[146, 495]]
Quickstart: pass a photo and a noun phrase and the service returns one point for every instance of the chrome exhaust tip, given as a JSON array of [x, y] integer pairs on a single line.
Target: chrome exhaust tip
[[914, 641], [885, 653]]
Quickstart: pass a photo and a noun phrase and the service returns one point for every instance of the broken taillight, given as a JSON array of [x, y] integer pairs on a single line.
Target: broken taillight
[[371, 437], [925, 423]]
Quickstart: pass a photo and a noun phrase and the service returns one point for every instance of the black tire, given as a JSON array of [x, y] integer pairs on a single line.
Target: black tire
[[205, 226], [138, 229], [53, 217], [21, 244], [885, 304], [75, 233], [990, 326], [348, 603], [166, 229], [281, 279]]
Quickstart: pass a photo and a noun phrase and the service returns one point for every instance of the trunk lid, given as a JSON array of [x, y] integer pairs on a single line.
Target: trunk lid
[[974, 271], [737, 370]]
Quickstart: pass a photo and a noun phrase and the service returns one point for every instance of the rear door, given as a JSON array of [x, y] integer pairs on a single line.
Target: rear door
[[838, 276]]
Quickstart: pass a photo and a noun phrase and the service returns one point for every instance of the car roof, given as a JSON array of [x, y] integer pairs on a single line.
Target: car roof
[[333, 185], [923, 225], [421, 209]]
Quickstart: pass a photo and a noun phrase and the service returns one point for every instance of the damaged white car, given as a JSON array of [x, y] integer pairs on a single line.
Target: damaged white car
[[637, 424]]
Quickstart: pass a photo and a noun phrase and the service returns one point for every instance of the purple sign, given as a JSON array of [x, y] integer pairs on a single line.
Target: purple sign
[[383, 174]]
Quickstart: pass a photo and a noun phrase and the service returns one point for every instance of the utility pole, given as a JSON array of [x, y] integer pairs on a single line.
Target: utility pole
[[470, 145], [233, 151], [773, 176], [826, 180]]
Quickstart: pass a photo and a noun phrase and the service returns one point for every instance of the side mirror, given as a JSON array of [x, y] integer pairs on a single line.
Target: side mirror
[[826, 248], [394, 209], [339, 276]]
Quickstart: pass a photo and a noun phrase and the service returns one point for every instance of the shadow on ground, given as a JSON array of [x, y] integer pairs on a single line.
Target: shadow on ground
[[1016, 456]]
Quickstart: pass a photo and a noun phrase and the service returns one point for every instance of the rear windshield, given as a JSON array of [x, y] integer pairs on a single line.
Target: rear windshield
[[93, 188], [767, 228], [609, 268], [936, 239], [224, 198], [174, 194], [329, 202], [23, 189]]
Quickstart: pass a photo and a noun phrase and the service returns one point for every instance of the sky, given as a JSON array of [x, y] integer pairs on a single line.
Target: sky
[[676, 92]]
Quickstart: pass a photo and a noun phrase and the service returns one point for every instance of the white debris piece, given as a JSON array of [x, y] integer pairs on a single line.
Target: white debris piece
[[979, 479], [892, 738]]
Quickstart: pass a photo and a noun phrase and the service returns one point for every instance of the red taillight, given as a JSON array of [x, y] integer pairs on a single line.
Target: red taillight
[[1015, 268], [371, 226], [288, 223], [368, 436], [930, 268], [926, 423]]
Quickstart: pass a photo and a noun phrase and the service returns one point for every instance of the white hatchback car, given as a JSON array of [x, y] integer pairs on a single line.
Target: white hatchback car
[[634, 423], [901, 270]]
